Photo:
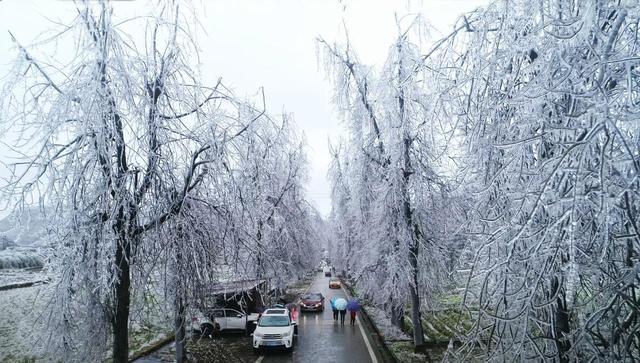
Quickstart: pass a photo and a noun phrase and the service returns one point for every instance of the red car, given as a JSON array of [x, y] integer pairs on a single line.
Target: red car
[[313, 301]]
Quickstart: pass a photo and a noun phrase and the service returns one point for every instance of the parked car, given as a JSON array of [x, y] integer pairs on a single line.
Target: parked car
[[334, 283], [275, 329], [218, 320], [313, 301]]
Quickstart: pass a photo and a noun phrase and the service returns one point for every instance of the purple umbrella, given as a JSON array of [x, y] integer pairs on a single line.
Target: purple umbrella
[[353, 305]]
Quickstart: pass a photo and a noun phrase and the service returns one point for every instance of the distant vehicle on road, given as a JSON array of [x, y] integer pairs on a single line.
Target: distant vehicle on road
[[327, 271], [322, 265], [218, 320], [312, 302], [334, 283], [275, 329]]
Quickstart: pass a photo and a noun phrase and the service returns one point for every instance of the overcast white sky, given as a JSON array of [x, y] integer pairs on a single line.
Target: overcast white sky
[[270, 44]]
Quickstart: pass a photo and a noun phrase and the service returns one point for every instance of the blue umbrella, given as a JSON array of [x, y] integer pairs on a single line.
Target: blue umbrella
[[340, 304], [333, 303], [353, 305]]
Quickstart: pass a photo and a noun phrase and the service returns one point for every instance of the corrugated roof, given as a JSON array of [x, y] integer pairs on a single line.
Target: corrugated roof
[[234, 287]]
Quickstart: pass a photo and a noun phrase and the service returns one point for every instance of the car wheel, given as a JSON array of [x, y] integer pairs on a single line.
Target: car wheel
[[250, 327], [207, 330]]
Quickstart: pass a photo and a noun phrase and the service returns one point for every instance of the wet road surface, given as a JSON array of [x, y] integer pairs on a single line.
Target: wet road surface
[[320, 338]]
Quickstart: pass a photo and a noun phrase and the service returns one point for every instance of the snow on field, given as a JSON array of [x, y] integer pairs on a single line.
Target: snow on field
[[20, 326], [23, 327], [21, 257], [383, 323], [20, 276]]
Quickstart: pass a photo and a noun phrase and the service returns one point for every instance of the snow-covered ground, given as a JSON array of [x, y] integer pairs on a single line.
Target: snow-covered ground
[[20, 324], [17, 257], [23, 328], [389, 331], [10, 277]]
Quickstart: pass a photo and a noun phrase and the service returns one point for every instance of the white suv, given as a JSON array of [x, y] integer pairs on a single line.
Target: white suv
[[274, 329], [218, 320]]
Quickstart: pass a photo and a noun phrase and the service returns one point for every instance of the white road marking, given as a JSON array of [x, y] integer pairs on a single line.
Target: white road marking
[[364, 335], [260, 359], [366, 340]]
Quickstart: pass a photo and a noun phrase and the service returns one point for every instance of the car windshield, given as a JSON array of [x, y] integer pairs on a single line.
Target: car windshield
[[334, 279], [312, 297], [273, 320]]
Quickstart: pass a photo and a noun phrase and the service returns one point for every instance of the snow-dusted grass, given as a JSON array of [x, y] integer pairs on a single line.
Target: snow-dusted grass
[[444, 325], [20, 257], [151, 318], [143, 338], [388, 331], [20, 276], [20, 326], [441, 325], [404, 353], [298, 287], [445, 321]]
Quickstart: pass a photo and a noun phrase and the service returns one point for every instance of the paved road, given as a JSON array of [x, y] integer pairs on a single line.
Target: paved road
[[321, 339]]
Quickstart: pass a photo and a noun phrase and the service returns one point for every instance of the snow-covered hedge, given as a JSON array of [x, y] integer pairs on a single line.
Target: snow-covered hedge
[[20, 258], [389, 331]]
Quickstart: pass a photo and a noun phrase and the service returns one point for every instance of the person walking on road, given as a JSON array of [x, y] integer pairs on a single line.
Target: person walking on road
[[343, 313], [333, 308], [341, 306], [353, 307]]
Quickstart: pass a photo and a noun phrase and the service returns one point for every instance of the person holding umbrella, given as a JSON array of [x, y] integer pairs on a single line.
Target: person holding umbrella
[[333, 307], [341, 306], [354, 307]]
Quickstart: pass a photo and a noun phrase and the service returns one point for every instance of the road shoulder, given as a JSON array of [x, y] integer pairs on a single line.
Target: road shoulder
[[375, 343]]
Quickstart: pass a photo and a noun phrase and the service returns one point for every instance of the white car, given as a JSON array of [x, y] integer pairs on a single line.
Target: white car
[[218, 320], [274, 329], [327, 271]]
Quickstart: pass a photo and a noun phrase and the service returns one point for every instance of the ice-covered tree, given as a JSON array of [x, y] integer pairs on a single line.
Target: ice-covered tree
[[121, 140], [546, 98], [112, 156], [390, 176]]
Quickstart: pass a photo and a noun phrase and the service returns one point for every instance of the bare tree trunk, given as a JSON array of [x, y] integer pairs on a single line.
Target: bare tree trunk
[[179, 328], [260, 270], [416, 317], [418, 336], [561, 326], [397, 316], [179, 320], [120, 319]]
